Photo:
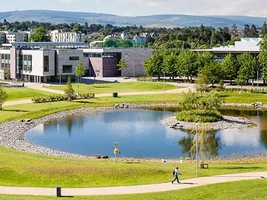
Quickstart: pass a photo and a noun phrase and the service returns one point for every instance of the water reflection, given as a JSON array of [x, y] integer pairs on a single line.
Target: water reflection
[[140, 134]]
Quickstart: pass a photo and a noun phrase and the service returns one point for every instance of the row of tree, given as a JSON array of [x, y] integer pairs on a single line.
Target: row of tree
[[175, 62], [196, 37]]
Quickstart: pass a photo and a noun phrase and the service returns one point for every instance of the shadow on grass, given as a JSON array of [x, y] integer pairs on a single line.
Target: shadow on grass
[[13, 110], [242, 167], [85, 102]]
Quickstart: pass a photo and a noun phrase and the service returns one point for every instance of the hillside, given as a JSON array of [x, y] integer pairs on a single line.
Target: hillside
[[168, 20]]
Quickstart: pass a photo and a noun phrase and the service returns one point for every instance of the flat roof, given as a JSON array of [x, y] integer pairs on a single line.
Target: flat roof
[[51, 45]]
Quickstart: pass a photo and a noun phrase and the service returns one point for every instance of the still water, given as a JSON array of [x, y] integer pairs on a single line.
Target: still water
[[140, 134]]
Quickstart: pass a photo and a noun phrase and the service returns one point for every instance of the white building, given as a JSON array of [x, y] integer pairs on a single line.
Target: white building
[[61, 36], [250, 45], [16, 36], [56, 61]]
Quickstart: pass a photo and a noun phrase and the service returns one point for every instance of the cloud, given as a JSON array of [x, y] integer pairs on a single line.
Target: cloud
[[197, 7], [67, 1]]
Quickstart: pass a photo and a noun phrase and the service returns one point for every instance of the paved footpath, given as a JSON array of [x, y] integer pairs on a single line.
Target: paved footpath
[[139, 189], [37, 86]]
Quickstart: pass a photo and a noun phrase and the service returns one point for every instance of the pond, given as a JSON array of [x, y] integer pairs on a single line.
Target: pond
[[140, 134]]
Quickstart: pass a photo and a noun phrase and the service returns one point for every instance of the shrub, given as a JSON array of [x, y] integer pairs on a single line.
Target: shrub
[[199, 116]]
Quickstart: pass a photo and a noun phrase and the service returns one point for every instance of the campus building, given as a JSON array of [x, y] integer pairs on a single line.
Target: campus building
[[55, 61], [250, 45], [61, 36]]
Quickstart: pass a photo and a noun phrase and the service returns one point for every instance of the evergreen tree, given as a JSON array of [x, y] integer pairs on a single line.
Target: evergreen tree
[[3, 96], [69, 91], [79, 71]]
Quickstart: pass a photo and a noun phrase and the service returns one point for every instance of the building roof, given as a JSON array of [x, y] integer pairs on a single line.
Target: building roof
[[48, 45], [245, 45]]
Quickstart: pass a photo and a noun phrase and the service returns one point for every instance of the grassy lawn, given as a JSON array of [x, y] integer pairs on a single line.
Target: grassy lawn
[[253, 190], [243, 97], [25, 169], [24, 93], [31, 111], [118, 87]]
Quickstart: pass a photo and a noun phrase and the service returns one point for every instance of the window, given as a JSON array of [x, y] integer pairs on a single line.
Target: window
[[74, 58], [5, 63], [67, 68], [27, 62], [46, 63]]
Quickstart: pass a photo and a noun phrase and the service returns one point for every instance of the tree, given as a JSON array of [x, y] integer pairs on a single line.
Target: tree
[[188, 60], [263, 30], [248, 66], [203, 59], [229, 67], [69, 91], [171, 65], [253, 31], [154, 64], [262, 58], [40, 35], [79, 71], [212, 72], [3, 96], [122, 64]]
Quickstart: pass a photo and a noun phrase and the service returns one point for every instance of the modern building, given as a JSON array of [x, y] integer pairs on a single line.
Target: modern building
[[11, 36], [61, 36], [55, 61], [250, 45]]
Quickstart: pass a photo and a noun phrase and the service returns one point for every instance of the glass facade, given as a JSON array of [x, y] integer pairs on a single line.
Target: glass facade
[[67, 68], [27, 62], [5, 61], [74, 58], [46, 63]]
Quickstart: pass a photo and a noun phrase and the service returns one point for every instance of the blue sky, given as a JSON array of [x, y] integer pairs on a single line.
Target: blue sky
[[145, 7]]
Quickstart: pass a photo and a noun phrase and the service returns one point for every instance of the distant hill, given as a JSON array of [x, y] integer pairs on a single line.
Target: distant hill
[[164, 20]]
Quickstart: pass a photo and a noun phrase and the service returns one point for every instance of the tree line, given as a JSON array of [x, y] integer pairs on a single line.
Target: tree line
[[182, 62], [195, 37]]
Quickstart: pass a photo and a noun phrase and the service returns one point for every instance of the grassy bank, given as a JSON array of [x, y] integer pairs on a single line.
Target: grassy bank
[[253, 190], [24, 93], [118, 87], [31, 111], [25, 169]]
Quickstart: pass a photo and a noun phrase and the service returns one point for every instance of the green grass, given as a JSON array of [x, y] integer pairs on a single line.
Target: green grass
[[243, 97], [24, 93], [31, 111], [240, 190], [118, 87], [25, 169]]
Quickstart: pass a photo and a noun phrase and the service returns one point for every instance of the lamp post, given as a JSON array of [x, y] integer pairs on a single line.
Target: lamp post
[[257, 77], [133, 71], [197, 149], [164, 82]]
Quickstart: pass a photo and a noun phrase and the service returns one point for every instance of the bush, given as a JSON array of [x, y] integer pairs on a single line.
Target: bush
[[53, 98], [199, 116]]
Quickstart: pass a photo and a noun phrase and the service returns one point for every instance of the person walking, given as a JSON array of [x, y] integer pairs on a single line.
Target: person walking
[[176, 174]]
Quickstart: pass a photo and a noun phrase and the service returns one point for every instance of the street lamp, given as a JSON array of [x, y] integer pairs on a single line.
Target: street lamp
[[133, 71], [197, 149], [164, 82]]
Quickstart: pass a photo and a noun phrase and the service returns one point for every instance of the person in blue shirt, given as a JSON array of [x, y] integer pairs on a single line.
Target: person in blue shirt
[[175, 174]]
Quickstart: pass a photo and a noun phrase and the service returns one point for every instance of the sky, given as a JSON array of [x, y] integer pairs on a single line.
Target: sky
[[256, 8]]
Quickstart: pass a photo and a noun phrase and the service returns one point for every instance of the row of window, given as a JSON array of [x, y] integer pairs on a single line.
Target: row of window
[[27, 62], [100, 55]]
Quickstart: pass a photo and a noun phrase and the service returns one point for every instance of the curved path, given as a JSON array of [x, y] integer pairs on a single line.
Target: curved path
[[139, 189], [37, 86]]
